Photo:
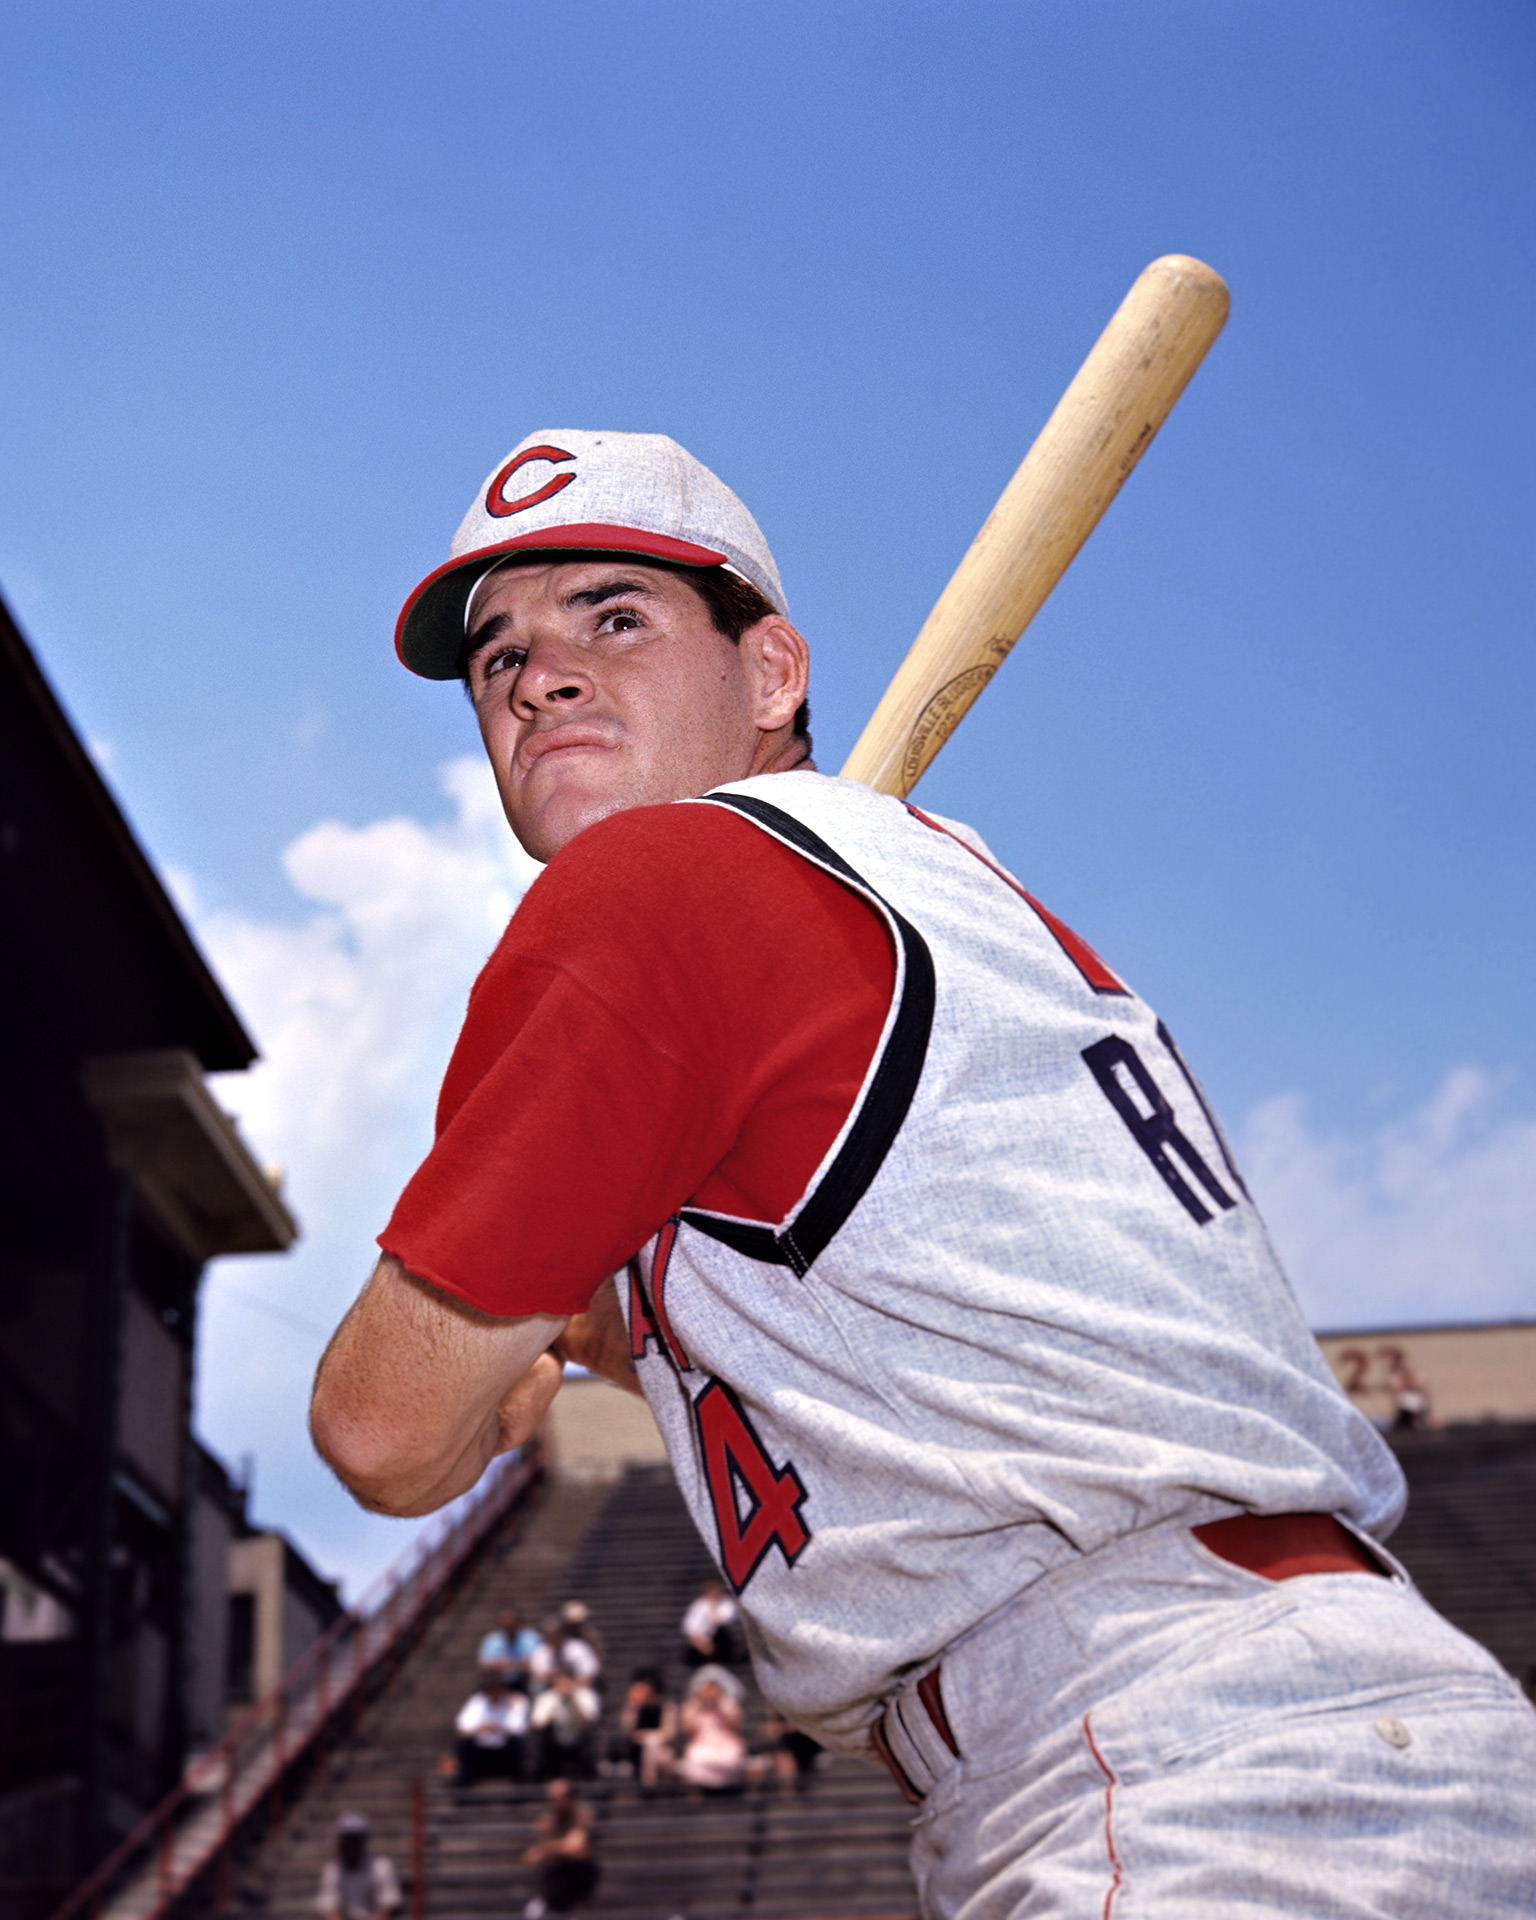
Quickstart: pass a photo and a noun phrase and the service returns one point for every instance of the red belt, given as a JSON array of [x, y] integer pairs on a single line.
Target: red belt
[[1280, 1545], [1277, 1546]]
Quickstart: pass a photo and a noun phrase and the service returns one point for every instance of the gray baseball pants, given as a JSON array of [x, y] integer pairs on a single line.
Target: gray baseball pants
[[1152, 1733]]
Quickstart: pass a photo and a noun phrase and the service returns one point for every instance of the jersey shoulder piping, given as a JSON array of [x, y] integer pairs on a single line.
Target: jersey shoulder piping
[[1099, 976], [887, 1098]]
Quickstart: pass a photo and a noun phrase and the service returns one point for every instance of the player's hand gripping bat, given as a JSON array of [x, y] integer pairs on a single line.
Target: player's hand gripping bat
[[1102, 425]]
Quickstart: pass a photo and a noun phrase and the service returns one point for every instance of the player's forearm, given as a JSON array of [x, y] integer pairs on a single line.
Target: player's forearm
[[417, 1393], [407, 1467]]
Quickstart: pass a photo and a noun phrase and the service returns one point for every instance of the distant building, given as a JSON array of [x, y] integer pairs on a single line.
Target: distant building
[[119, 1178], [278, 1608], [1458, 1404], [218, 1520], [1437, 1376]]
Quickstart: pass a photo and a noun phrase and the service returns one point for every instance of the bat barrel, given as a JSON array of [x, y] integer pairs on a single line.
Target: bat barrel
[[1102, 425]]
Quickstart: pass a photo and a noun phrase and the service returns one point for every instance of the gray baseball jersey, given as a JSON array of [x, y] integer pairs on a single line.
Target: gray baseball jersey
[[1025, 1306]]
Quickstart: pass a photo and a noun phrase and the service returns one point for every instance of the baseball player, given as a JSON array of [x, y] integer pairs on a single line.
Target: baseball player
[[783, 1103]]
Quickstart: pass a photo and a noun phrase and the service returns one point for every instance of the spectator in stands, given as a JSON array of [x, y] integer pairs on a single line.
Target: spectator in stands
[[709, 1628], [544, 1660], [563, 1854], [576, 1617], [579, 1656], [357, 1884], [505, 1649], [791, 1753], [714, 1758], [564, 1721], [1410, 1395], [563, 1648], [492, 1729], [648, 1724]]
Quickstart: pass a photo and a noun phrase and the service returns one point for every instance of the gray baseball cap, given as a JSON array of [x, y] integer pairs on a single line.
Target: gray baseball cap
[[637, 493]]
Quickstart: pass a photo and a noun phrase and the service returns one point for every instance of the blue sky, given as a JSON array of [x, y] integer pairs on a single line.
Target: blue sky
[[284, 282]]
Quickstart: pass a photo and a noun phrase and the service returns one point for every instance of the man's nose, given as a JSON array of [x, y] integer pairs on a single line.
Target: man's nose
[[549, 680]]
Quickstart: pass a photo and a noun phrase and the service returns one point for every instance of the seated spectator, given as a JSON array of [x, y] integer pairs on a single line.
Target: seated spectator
[[576, 1617], [505, 1649], [562, 1648], [580, 1657], [568, 1873], [648, 1724], [492, 1730], [792, 1754], [357, 1884], [564, 1718], [709, 1628], [544, 1660], [714, 1758]]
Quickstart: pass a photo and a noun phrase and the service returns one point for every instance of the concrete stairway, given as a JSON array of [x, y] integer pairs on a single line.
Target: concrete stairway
[[629, 1550]]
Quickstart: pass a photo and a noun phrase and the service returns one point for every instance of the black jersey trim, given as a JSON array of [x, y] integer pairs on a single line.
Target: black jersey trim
[[891, 1091]]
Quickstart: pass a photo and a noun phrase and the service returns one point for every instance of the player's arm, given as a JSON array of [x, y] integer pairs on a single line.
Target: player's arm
[[599, 1341], [607, 1064], [418, 1392]]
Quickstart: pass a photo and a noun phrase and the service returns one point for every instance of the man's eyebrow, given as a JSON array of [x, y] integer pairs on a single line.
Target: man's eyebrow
[[609, 590], [485, 633], [492, 628]]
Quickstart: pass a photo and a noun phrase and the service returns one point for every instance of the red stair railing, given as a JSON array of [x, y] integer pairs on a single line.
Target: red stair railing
[[325, 1688]]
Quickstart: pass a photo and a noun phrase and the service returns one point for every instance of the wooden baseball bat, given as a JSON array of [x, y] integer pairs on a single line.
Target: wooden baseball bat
[[1102, 425]]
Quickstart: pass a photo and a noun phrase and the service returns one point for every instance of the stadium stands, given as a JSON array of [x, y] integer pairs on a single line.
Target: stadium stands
[[628, 1550]]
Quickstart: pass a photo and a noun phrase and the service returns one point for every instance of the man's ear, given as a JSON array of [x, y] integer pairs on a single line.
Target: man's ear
[[780, 660]]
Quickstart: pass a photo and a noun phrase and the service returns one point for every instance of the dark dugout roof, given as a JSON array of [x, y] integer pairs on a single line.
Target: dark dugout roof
[[116, 950]]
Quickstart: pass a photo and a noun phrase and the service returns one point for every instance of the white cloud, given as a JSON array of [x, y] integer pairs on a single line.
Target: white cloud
[[355, 1008], [1430, 1217]]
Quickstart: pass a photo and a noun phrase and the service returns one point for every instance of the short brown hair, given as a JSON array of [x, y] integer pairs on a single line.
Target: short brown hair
[[733, 605]]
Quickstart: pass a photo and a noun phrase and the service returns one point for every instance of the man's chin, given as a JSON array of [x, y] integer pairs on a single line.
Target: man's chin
[[556, 824]]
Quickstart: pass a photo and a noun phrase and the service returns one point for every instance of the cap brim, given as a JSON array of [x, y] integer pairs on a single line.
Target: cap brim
[[429, 635]]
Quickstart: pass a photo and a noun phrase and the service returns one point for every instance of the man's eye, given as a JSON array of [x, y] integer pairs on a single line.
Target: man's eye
[[505, 660], [621, 620]]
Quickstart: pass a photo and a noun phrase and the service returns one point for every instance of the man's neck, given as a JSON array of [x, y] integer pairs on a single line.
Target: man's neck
[[786, 756]]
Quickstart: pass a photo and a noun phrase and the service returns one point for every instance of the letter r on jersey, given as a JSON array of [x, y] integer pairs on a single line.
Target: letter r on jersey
[[1122, 1075]]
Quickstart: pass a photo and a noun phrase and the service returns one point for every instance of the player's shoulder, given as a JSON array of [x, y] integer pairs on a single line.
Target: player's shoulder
[[680, 832], [633, 863], [658, 875], [723, 827], [857, 822]]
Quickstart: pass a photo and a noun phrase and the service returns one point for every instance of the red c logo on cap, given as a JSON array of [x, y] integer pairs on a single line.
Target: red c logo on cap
[[496, 503]]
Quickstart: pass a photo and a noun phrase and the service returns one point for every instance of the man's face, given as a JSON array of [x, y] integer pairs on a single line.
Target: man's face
[[603, 684]]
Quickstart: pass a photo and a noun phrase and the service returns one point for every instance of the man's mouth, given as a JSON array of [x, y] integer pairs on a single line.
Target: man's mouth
[[557, 740]]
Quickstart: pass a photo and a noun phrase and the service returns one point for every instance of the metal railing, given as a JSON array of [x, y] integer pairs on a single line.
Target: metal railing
[[196, 1824]]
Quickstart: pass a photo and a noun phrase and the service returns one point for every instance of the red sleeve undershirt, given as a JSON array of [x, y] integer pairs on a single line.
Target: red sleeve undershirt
[[681, 1011]]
